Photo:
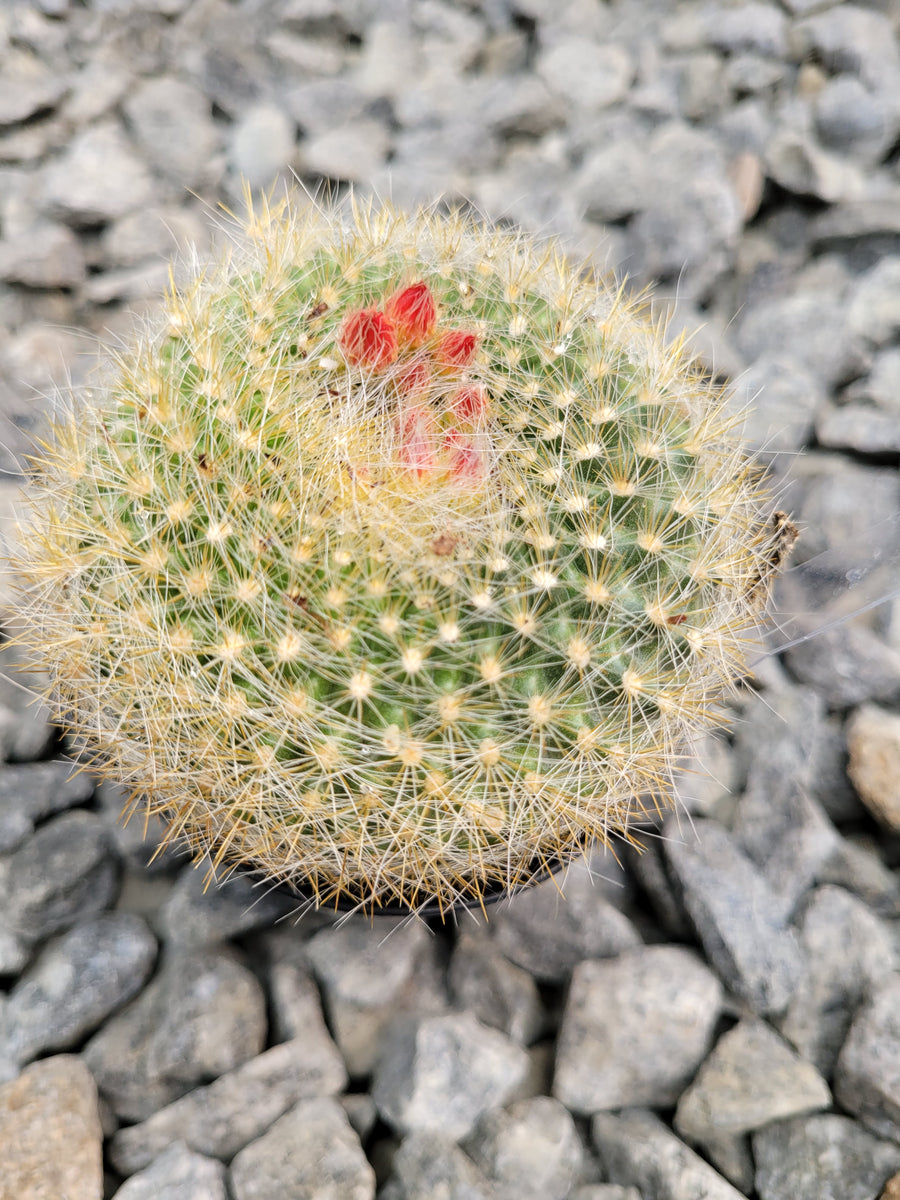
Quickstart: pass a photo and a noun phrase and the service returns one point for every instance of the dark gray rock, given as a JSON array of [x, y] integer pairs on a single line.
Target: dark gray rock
[[637, 1148], [28, 793], [849, 952], [530, 1150], [548, 929], [196, 914], [442, 1074], [74, 985], [808, 328], [178, 1174], [98, 177], [821, 1158], [867, 1075], [136, 836], [751, 1078], [431, 1166], [371, 976], [739, 920], [62, 875], [30, 359], [202, 1015], [238, 1107], [635, 1029], [310, 1151], [498, 993], [848, 664]]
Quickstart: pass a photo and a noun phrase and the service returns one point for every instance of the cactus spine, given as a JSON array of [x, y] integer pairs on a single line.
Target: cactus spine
[[400, 556]]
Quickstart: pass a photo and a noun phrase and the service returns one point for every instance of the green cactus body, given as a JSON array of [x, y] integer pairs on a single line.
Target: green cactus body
[[401, 557]]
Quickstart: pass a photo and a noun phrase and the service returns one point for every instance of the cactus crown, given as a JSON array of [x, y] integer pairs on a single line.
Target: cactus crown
[[400, 557]]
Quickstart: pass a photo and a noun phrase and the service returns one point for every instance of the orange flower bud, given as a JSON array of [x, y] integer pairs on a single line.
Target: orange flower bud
[[455, 348], [413, 311], [368, 339]]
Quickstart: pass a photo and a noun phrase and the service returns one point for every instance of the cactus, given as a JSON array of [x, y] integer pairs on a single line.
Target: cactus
[[399, 558]]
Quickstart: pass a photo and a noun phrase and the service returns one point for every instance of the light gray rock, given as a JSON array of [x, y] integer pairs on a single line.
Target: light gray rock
[[857, 866], [739, 920], [98, 178], [881, 386], [202, 1015], [171, 123], [821, 1158], [636, 1148], [63, 874], [33, 791], [442, 1074], [196, 914], [874, 305], [48, 255], [74, 984], [50, 1133], [353, 152], [873, 742], [808, 328], [587, 74], [498, 993], [852, 120], [178, 1174], [238, 1107], [753, 26], [779, 398], [867, 1075], [145, 281], [30, 86], [796, 162], [605, 1191], [615, 180], [860, 428], [318, 105], [431, 1166], [751, 1078], [530, 1150], [635, 1029], [372, 975], [262, 145], [156, 233], [848, 37], [848, 664], [849, 952], [310, 1151], [549, 928]]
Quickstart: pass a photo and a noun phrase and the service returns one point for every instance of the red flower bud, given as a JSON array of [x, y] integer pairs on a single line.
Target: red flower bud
[[469, 403], [368, 339], [455, 348], [416, 431], [467, 461], [413, 312], [413, 378]]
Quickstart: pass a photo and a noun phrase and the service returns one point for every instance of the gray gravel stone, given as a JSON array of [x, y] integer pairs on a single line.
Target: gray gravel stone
[[548, 929], [318, 105], [881, 386], [196, 914], [50, 1133], [614, 181], [861, 428], [752, 26], [808, 328], [849, 951], [47, 255], [62, 875], [171, 124], [636, 1148], [29, 86], [36, 790], [635, 1029], [854, 121], [310, 1151], [372, 975], [530, 1150], [751, 1078], [857, 866], [848, 664], [821, 1158], [779, 398], [178, 1174], [605, 1191], [739, 920], [799, 165], [238, 1107], [848, 37], [498, 993], [442, 1074], [430, 1166], [74, 985], [867, 1076], [98, 178], [587, 74], [874, 304], [202, 1015], [262, 145], [873, 742], [355, 151]]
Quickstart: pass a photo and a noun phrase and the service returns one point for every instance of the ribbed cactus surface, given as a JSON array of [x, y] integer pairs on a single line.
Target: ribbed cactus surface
[[400, 557]]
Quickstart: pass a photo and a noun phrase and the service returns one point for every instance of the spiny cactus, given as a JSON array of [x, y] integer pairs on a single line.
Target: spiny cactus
[[401, 558]]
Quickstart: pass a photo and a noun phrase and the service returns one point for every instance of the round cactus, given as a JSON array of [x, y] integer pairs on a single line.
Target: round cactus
[[400, 558]]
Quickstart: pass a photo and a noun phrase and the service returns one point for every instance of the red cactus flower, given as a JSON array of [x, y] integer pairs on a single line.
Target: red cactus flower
[[455, 348], [413, 311], [469, 403], [368, 339], [413, 378]]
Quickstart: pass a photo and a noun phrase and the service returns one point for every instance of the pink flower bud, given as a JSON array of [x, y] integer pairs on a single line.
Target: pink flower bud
[[467, 462], [413, 378], [415, 428], [368, 339]]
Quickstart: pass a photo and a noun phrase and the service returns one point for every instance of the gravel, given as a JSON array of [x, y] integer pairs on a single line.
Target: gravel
[[744, 156]]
